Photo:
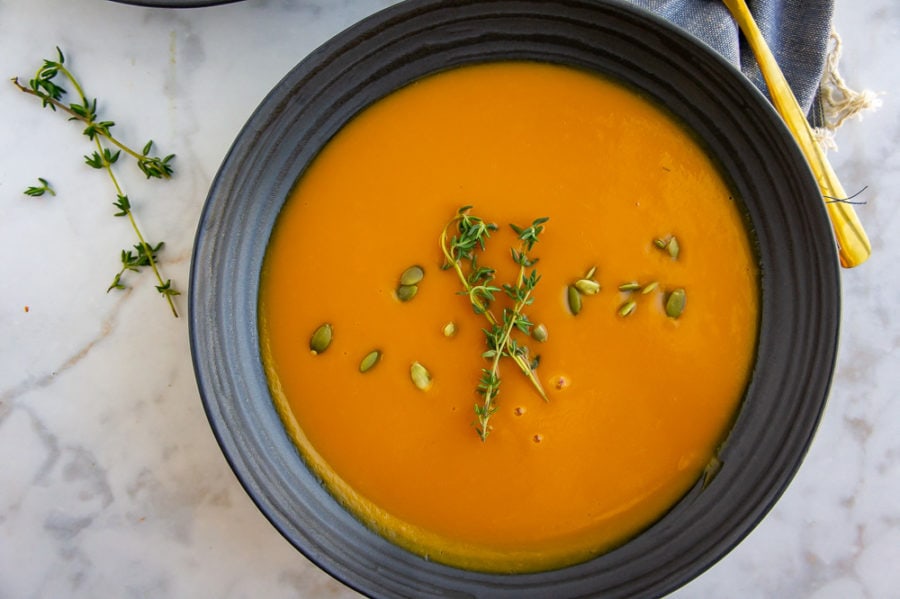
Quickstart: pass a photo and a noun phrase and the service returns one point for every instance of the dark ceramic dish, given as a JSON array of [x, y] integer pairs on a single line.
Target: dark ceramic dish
[[175, 3], [797, 258]]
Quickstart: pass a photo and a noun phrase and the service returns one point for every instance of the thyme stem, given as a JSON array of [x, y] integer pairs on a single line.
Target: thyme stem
[[146, 250], [84, 110], [65, 108], [477, 286], [481, 306]]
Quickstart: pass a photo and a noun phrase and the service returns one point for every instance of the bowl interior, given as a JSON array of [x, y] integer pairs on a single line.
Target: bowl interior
[[797, 259]]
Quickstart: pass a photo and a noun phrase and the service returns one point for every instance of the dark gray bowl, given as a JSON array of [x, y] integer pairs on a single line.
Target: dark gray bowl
[[797, 258], [175, 3]]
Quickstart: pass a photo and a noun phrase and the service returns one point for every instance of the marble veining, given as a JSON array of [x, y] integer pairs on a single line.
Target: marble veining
[[111, 482]]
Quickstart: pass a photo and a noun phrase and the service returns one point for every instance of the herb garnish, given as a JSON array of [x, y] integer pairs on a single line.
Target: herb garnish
[[108, 150], [40, 189], [461, 253]]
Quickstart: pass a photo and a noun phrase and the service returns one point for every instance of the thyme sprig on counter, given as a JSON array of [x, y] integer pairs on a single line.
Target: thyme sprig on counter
[[43, 186], [46, 87], [461, 253]]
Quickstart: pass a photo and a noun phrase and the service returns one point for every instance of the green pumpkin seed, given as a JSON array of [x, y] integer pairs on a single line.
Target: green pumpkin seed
[[711, 470], [539, 332], [407, 292], [627, 308], [420, 376], [660, 243], [590, 273], [675, 303], [412, 275], [450, 329], [370, 361], [673, 247], [574, 299], [650, 288], [587, 286], [321, 339], [632, 286]]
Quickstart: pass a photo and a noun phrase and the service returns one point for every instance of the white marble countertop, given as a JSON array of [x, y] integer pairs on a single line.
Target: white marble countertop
[[111, 483]]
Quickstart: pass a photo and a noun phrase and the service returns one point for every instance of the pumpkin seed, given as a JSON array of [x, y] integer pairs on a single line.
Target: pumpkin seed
[[632, 286], [673, 247], [539, 332], [407, 292], [587, 286], [370, 361], [675, 303], [450, 329], [627, 308], [660, 243], [650, 287], [420, 376], [321, 339], [412, 275], [590, 273], [711, 470], [574, 299]]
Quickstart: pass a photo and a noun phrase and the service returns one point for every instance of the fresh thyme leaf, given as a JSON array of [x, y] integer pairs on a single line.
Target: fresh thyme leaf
[[108, 149], [86, 112], [166, 289], [39, 190], [123, 204], [155, 167], [94, 129], [94, 160], [148, 252]]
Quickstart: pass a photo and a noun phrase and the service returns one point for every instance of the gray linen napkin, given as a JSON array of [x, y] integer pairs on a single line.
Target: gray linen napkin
[[797, 31]]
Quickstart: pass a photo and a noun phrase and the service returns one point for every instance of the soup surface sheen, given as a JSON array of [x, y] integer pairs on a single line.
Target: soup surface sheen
[[637, 405]]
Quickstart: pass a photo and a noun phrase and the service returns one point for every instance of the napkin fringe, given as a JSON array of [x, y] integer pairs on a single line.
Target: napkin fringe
[[837, 102]]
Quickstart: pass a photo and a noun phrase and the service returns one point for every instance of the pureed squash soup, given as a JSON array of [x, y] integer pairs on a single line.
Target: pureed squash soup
[[417, 408]]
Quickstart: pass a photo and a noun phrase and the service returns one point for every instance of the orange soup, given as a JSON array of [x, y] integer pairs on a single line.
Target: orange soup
[[643, 366]]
